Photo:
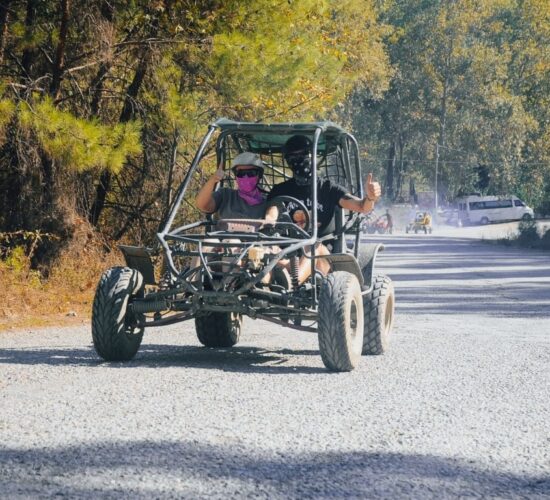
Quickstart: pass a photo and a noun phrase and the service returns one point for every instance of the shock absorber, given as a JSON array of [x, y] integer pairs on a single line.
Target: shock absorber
[[294, 272]]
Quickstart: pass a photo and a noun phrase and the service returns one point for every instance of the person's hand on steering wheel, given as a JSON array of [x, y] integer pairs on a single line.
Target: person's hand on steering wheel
[[290, 209], [300, 218]]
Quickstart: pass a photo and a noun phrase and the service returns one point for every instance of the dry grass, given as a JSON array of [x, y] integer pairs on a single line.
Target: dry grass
[[66, 297]]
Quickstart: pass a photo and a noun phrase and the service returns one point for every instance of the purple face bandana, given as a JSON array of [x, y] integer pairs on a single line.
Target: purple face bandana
[[248, 190]]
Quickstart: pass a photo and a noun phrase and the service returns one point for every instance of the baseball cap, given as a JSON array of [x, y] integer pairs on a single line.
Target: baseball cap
[[247, 158]]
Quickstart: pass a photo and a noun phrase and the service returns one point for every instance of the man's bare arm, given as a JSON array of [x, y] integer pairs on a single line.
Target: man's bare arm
[[205, 199], [365, 205]]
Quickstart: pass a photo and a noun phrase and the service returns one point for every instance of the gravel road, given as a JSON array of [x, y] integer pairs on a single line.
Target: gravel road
[[459, 407]]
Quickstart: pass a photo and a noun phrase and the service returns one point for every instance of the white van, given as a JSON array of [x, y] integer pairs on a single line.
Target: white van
[[477, 209]]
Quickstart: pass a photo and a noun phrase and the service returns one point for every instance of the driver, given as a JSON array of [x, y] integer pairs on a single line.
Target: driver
[[297, 152]]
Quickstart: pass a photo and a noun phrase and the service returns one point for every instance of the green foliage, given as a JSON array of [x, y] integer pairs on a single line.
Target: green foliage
[[17, 260], [77, 143], [7, 109], [18, 263], [527, 233], [406, 75], [528, 236], [22, 241], [474, 78], [304, 56]]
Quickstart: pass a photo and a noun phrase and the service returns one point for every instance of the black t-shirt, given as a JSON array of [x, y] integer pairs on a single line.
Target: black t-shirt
[[328, 196]]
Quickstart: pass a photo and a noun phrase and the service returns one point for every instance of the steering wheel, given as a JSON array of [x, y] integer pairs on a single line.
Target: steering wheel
[[284, 204]]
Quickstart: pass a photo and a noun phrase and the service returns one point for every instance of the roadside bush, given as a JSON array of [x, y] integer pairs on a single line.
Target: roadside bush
[[31, 298], [528, 235], [544, 242]]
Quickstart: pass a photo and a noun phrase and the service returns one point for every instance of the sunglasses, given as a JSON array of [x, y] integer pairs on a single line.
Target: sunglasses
[[247, 173]]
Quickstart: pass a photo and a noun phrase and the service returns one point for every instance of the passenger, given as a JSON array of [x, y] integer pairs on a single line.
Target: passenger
[[297, 153], [245, 202]]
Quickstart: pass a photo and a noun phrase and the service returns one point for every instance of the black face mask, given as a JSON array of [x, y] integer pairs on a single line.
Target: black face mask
[[301, 168]]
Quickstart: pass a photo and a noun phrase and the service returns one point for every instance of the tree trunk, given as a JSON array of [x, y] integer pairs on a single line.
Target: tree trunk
[[127, 113], [400, 170], [4, 21], [170, 180], [59, 62], [29, 53], [390, 171], [96, 86]]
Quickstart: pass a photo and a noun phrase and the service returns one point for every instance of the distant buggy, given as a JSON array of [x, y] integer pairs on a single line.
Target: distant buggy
[[351, 309], [422, 222]]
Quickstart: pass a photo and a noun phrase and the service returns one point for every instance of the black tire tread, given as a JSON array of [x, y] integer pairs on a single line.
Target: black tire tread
[[217, 329], [113, 291], [375, 338], [331, 330]]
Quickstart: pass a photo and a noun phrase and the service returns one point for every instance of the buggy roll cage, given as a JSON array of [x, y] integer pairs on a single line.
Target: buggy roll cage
[[325, 135]]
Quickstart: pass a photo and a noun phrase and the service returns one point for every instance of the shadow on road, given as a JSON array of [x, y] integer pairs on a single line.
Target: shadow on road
[[195, 470], [435, 275], [236, 359]]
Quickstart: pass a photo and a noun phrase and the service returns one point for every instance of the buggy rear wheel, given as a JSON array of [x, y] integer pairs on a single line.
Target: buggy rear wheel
[[379, 311], [340, 322], [116, 332], [218, 329]]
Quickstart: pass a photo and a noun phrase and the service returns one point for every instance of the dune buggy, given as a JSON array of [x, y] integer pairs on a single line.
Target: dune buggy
[[377, 224], [422, 222], [218, 271]]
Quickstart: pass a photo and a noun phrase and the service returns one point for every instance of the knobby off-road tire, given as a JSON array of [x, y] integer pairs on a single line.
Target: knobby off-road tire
[[116, 333], [379, 311], [218, 329], [340, 322]]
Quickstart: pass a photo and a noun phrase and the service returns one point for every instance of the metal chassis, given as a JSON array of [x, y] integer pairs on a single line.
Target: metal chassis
[[187, 298]]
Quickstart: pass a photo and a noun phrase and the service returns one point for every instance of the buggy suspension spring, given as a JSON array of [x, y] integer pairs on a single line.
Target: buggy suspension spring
[[149, 306], [294, 272]]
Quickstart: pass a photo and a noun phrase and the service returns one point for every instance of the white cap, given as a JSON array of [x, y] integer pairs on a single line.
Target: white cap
[[247, 158]]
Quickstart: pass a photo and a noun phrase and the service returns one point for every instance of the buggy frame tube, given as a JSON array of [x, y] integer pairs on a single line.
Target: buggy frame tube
[[180, 195], [314, 214]]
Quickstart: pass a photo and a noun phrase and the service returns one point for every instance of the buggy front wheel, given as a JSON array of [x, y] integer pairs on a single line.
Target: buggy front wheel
[[116, 332], [379, 311], [218, 329], [340, 321]]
